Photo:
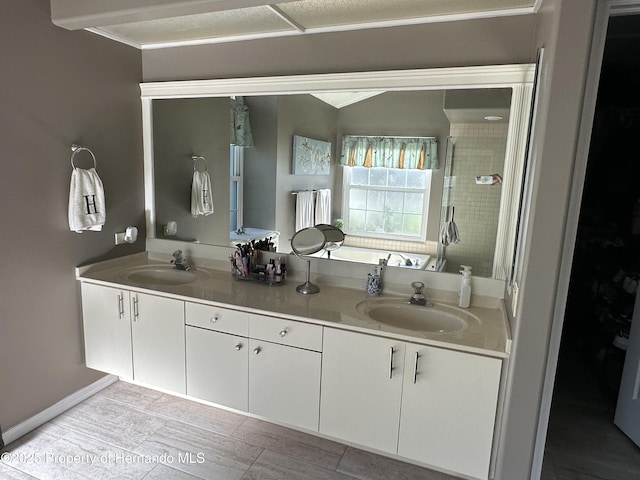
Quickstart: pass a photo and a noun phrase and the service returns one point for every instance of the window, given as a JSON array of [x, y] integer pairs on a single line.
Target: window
[[389, 201], [236, 167]]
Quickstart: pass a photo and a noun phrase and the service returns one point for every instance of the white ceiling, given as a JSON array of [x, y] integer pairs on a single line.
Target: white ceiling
[[215, 21]]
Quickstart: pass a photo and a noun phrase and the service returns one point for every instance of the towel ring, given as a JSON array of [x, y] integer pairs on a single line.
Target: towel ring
[[195, 159], [76, 149]]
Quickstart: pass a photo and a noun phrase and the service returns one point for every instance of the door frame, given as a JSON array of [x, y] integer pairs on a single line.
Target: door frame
[[604, 10]]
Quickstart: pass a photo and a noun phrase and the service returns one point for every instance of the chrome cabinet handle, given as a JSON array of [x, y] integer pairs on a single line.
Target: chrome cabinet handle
[[256, 350], [214, 319], [120, 307], [415, 368], [283, 332], [391, 362], [238, 346], [135, 309]]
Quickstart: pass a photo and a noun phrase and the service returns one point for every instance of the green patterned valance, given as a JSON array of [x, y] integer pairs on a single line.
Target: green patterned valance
[[390, 152]]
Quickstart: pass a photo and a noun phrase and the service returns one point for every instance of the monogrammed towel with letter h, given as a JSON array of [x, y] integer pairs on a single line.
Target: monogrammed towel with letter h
[[86, 201], [201, 199]]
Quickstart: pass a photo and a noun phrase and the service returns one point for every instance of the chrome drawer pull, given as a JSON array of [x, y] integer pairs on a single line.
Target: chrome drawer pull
[[391, 362], [415, 368], [120, 307], [283, 332], [238, 346], [135, 309]]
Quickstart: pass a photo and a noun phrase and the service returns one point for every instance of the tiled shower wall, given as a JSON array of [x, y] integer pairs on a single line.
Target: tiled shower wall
[[479, 150]]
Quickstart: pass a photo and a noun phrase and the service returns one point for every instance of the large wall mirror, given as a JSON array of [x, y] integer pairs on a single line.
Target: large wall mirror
[[301, 130]]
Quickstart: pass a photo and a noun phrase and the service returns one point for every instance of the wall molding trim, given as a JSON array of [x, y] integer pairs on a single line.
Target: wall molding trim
[[56, 409]]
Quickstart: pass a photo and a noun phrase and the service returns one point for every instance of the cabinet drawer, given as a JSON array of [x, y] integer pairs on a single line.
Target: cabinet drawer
[[217, 318], [286, 332]]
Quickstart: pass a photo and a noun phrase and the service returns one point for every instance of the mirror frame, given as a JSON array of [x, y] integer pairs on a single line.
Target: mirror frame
[[518, 77]]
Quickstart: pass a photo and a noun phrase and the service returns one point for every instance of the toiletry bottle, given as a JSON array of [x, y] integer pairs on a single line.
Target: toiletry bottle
[[465, 287]]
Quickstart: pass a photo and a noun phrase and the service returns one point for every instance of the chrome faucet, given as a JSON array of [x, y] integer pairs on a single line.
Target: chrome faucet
[[407, 260], [418, 298], [180, 262]]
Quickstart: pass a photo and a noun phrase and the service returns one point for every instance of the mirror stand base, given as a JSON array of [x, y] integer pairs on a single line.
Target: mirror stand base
[[307, 288]]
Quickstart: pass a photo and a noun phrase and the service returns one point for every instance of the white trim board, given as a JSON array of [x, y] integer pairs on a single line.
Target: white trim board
[[56, 409]]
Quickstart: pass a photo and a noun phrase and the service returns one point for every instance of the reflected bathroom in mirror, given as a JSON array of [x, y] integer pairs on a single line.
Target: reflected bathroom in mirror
[[382, 210]]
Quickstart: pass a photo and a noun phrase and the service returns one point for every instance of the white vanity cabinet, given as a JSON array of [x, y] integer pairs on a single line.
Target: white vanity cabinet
[[427, 403], [361, 388], [107, 329], [134, 335], [449, 403], [217, 352], [284, 370], [430, 404], [157, 328]]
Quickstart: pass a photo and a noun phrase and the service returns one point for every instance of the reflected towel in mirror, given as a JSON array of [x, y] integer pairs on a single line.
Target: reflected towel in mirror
[[304, 210], [323, 206], [449, 233], [201, 195]]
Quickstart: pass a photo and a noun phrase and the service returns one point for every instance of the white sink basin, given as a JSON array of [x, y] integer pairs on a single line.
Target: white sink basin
[[160, 275], [412, 317]]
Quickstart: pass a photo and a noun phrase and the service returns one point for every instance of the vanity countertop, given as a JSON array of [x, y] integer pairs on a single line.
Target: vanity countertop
[[487, 334]]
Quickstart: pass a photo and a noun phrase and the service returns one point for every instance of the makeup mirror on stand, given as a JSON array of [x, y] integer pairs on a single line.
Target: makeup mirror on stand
[[307, 242], [334, 237]]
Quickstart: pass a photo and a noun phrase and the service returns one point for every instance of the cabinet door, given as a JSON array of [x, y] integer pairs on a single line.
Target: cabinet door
[[217, 367], [449, 406], [158, 341], [361, 388], [284, 383], [107, 329]]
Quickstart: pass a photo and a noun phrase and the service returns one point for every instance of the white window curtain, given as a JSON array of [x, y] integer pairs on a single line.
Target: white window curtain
[[390, 152]]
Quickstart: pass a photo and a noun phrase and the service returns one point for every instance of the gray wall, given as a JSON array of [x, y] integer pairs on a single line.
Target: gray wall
[[449, 44], [56, 88], [181, 128], [260, 164]]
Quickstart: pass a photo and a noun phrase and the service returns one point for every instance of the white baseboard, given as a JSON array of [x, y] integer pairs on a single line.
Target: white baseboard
[[56, 409]]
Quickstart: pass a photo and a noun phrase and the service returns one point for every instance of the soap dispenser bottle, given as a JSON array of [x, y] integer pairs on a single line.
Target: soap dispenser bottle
[[465, 287]]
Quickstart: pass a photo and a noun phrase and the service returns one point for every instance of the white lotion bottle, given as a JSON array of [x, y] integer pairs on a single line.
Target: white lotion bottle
[[465, 287]]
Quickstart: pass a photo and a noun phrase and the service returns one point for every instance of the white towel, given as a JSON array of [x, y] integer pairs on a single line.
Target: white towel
[[86, 201], [304, 210], [201, 194], [323, 206]]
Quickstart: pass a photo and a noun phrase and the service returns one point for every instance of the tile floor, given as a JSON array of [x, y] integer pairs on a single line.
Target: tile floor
[[129, 432], [582, 442]]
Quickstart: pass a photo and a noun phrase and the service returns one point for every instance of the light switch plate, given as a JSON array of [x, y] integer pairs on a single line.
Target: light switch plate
[[120, 238]]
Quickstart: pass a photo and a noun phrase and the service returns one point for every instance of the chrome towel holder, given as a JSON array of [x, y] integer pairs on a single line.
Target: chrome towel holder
[[195, 159], [75, 148]]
